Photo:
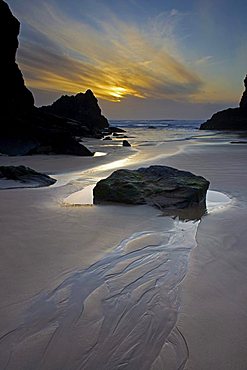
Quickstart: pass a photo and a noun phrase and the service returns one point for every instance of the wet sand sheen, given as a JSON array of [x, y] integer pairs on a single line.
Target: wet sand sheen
[[212, 304], [120, 313]]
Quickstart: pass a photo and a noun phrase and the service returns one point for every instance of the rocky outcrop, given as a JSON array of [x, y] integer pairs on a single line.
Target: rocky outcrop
[[14, 95], [243, 101], [231, 118], [26, 176], [25, 129], [159, 186], [82, 108]]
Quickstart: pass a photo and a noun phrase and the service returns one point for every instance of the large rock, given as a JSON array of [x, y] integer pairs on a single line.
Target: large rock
[[35, 132], [231, 118], [26, 176], [160, 186], [15, 96], [24, 129], [83, 108]]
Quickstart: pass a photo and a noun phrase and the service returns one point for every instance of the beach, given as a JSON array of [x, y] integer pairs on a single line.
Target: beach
[[119, 286]]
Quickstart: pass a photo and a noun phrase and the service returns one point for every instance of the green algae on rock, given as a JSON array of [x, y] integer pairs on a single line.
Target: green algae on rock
[[160, 186]]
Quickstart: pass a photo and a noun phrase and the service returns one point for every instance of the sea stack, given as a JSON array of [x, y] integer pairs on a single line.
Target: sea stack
[[231, 118], [83, 108]]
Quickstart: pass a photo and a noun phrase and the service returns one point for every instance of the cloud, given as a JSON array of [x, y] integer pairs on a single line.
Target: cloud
[[204, 60], [114, 58]]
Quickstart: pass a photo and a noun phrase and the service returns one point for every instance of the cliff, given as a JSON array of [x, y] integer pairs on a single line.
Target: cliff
[[15, 96], [25, 129], [231, 118]]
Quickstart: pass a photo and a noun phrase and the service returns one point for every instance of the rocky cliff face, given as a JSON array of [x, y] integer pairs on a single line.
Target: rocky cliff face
[[83, 108], [243, 102], [25, 129], [231, 118], [15, 96]]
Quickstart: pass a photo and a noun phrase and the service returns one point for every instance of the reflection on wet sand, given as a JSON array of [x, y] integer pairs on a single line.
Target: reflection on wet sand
[[120, 313]]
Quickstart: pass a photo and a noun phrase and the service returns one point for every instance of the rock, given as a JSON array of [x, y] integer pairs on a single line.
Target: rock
[[238, 142], [159, 186], [25, 175], [38, 133], [243, 102], [107, 138], [113, 129], [119, 136], [82, 108], [231, 118], [24, 128], [15, 96], [126, 143]]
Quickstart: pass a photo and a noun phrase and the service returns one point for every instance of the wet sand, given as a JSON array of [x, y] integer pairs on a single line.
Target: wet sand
[[214, 296], [86, 286]]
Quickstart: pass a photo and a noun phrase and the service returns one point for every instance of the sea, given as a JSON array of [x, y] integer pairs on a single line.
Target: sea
[[154, 131], [169, 124]]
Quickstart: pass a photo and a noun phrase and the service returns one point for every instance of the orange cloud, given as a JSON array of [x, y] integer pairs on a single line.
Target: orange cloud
[[115, 59]]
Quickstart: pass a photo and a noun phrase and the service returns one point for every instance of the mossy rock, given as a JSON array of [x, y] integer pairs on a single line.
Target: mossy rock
[[160, 186]]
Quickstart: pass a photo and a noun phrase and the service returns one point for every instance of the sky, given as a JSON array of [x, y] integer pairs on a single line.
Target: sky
[[159, 59]]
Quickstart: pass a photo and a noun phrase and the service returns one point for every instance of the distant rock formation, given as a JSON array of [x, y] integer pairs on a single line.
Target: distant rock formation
[[25, 129], [243, 102], [231, 118], [82, 108]]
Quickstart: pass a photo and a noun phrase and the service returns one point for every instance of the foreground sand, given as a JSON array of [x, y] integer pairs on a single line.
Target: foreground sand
[[43, 243], [213, 312]]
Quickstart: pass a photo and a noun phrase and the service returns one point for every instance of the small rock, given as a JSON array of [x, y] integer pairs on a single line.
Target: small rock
[[126, 143]]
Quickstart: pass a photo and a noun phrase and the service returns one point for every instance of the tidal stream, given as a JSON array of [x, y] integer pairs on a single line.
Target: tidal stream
[[119, 313]]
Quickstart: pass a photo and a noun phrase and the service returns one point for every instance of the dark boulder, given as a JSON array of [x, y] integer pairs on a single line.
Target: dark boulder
[[25, 175], [231, 118], [107, 138], [126, 143], [160, 186]]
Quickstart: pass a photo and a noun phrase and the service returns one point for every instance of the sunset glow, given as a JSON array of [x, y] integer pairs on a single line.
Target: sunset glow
[[127, 52]]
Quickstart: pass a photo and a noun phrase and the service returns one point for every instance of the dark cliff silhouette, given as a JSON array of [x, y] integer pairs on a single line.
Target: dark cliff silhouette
[[243, 102], [231, 118], [25, 129], [15, 94], [82, 108]]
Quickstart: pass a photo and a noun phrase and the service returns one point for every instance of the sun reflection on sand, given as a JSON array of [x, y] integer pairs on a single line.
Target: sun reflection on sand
[[113, 165]]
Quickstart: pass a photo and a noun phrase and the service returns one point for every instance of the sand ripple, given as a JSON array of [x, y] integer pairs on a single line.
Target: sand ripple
[[120, 313]]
